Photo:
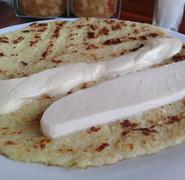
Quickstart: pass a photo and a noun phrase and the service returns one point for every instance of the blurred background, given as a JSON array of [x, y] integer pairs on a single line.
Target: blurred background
[[134, 10]]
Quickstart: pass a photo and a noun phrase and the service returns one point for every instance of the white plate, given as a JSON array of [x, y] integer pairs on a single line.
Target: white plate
[[168, 164]]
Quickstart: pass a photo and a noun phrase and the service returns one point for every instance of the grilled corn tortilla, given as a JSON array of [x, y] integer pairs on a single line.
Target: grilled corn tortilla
[[20, 135]]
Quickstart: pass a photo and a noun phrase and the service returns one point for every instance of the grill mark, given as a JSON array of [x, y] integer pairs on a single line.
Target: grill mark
[[38, 25], [112, 41], [127, 124], [42, 143], [26, 31], [37, 39], [33, 24], [91, 46], [116, 27], [178, 58], [110, 21], [56, 61], [46, 96], [101, 147], [11, 132], [65, 150], [20, 74], [94, 129], [91, 35], [69, 92], [56, 32], [24, 63], [37, 36], [173, 119], [84, 86], [47, 51], [131, 50], [131, 38], [19, 39], [129, 127], [153, 35], [61, 24], [135, 49], [14, 55], [1, 55], [130, 146], [4, 39], [124, 133], [2, 71], [143, 38], [80, 26], [7, 143], [104, 31], [146, 131], [93, 27], [4, 128], [44, 54], [32, 43], [135, 31], [133, 25]]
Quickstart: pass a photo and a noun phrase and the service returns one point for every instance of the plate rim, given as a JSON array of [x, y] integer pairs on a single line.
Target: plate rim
[[17, 164]]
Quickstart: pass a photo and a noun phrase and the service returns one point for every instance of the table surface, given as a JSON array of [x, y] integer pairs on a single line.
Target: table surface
[[134, 10]]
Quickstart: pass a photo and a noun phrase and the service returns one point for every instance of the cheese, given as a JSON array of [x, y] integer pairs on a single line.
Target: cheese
[[15, 93], [115, 99]]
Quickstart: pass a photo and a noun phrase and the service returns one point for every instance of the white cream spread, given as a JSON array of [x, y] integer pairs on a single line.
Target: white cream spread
[[15, 93], [115, 99]]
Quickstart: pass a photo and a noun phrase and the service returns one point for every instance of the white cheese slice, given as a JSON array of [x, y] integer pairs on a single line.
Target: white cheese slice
[[15, 93], [115, 99]]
